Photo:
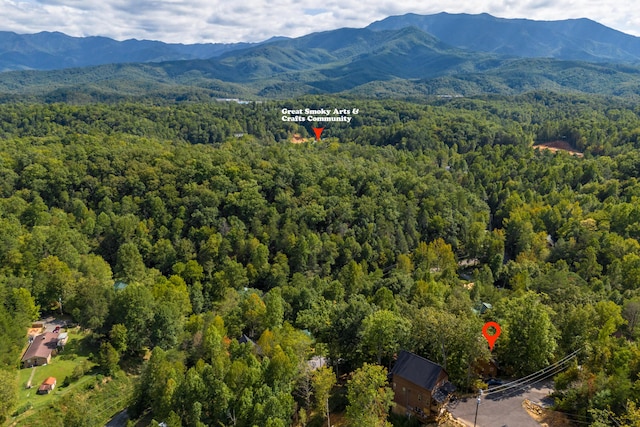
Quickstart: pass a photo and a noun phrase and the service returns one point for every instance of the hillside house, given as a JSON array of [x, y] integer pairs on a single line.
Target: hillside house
[[420, 387], [40, 350]]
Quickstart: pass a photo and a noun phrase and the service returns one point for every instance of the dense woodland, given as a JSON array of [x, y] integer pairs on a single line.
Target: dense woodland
[[213, 225]]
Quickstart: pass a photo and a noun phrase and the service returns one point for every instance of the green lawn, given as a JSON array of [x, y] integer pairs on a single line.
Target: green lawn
[[58, 368], [100, 399], [61, 366]]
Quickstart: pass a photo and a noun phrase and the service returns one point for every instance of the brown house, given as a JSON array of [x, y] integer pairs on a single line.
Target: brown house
[[47, 386], [420, 386], [40, 350]]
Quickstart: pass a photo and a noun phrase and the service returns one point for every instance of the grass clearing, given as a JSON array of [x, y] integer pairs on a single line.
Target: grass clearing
[[58, 369], [62, 366], [95, 397], [74, 357]]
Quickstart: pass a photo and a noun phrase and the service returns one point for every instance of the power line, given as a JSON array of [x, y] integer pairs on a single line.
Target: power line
[[525, 378], [583, 419], [541, 377], [524, 382], [515, 388], [579, 421], [542, 374], [576, 416], [534, 377]]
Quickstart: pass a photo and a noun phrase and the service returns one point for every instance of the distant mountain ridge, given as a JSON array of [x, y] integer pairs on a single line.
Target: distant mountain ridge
[[402, 61], [54, 50], [570, 39]]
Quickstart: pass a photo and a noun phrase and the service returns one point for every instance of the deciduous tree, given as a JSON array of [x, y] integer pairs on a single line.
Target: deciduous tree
[[323, 380], [528, 339], [369, 397], [383, 333]]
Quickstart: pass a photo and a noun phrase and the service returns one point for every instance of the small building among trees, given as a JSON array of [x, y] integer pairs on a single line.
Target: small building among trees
[[63, 337], [420, 387]]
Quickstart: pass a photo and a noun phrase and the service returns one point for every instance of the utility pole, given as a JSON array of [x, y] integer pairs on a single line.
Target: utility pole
[[328, 414], [477, 405]]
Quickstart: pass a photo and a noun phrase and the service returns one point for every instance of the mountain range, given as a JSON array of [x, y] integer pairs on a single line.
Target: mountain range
[[570, 39], [54, 50], [409, 55]]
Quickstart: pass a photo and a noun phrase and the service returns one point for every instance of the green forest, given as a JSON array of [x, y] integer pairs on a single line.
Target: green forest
[[179, 233]]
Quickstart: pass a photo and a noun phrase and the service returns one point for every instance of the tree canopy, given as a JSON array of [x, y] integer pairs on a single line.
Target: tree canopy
[[199, 233]]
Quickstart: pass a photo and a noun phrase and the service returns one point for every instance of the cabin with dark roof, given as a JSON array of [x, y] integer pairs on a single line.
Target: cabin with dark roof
[[420, 386]]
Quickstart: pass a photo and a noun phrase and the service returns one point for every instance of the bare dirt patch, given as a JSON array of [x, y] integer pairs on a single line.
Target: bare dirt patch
[[296, 138], [448, 420], [545, 417], [556, 146], [32, 332]]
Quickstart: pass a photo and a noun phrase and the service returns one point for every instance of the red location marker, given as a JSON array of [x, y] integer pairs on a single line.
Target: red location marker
[[491, 339], [318, 132]]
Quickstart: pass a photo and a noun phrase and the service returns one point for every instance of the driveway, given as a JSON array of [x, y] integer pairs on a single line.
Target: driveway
[[502, 411], [51, 322]]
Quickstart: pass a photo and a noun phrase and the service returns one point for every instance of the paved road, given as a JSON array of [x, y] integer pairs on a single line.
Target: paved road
[[120, 420], [502, 411]]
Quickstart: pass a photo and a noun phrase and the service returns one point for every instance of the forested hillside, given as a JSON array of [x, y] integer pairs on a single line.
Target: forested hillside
[[572, 39], [216, 226], [405, 63], [54, 50]]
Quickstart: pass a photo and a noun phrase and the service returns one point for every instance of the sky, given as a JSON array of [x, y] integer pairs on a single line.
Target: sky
[[226, 21]]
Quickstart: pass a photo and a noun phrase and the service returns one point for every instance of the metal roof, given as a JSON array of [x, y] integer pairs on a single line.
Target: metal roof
[[417, 369], [42, 346]]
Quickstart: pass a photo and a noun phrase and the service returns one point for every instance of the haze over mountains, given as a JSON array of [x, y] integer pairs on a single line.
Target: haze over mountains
[[402, 55]]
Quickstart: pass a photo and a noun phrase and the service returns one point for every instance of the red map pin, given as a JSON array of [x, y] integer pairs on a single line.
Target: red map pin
[[318, 132], [491, 339]]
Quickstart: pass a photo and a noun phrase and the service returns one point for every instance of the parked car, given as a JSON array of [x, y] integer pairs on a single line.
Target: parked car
[[494, 381], [56, 330]]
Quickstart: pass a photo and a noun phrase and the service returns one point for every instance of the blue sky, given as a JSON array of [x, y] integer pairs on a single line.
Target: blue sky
[[193, 21]]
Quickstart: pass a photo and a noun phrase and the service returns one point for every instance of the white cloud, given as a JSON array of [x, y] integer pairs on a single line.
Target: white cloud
[[190, 21]]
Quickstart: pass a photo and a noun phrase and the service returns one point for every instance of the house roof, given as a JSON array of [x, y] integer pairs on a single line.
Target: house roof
[[482, 307], [42, 346], [49, 381], [420, 371], [245, 340], [48, 384]]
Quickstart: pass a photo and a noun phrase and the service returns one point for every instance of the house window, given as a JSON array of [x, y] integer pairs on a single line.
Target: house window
[[394, 386], [420, 397]]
